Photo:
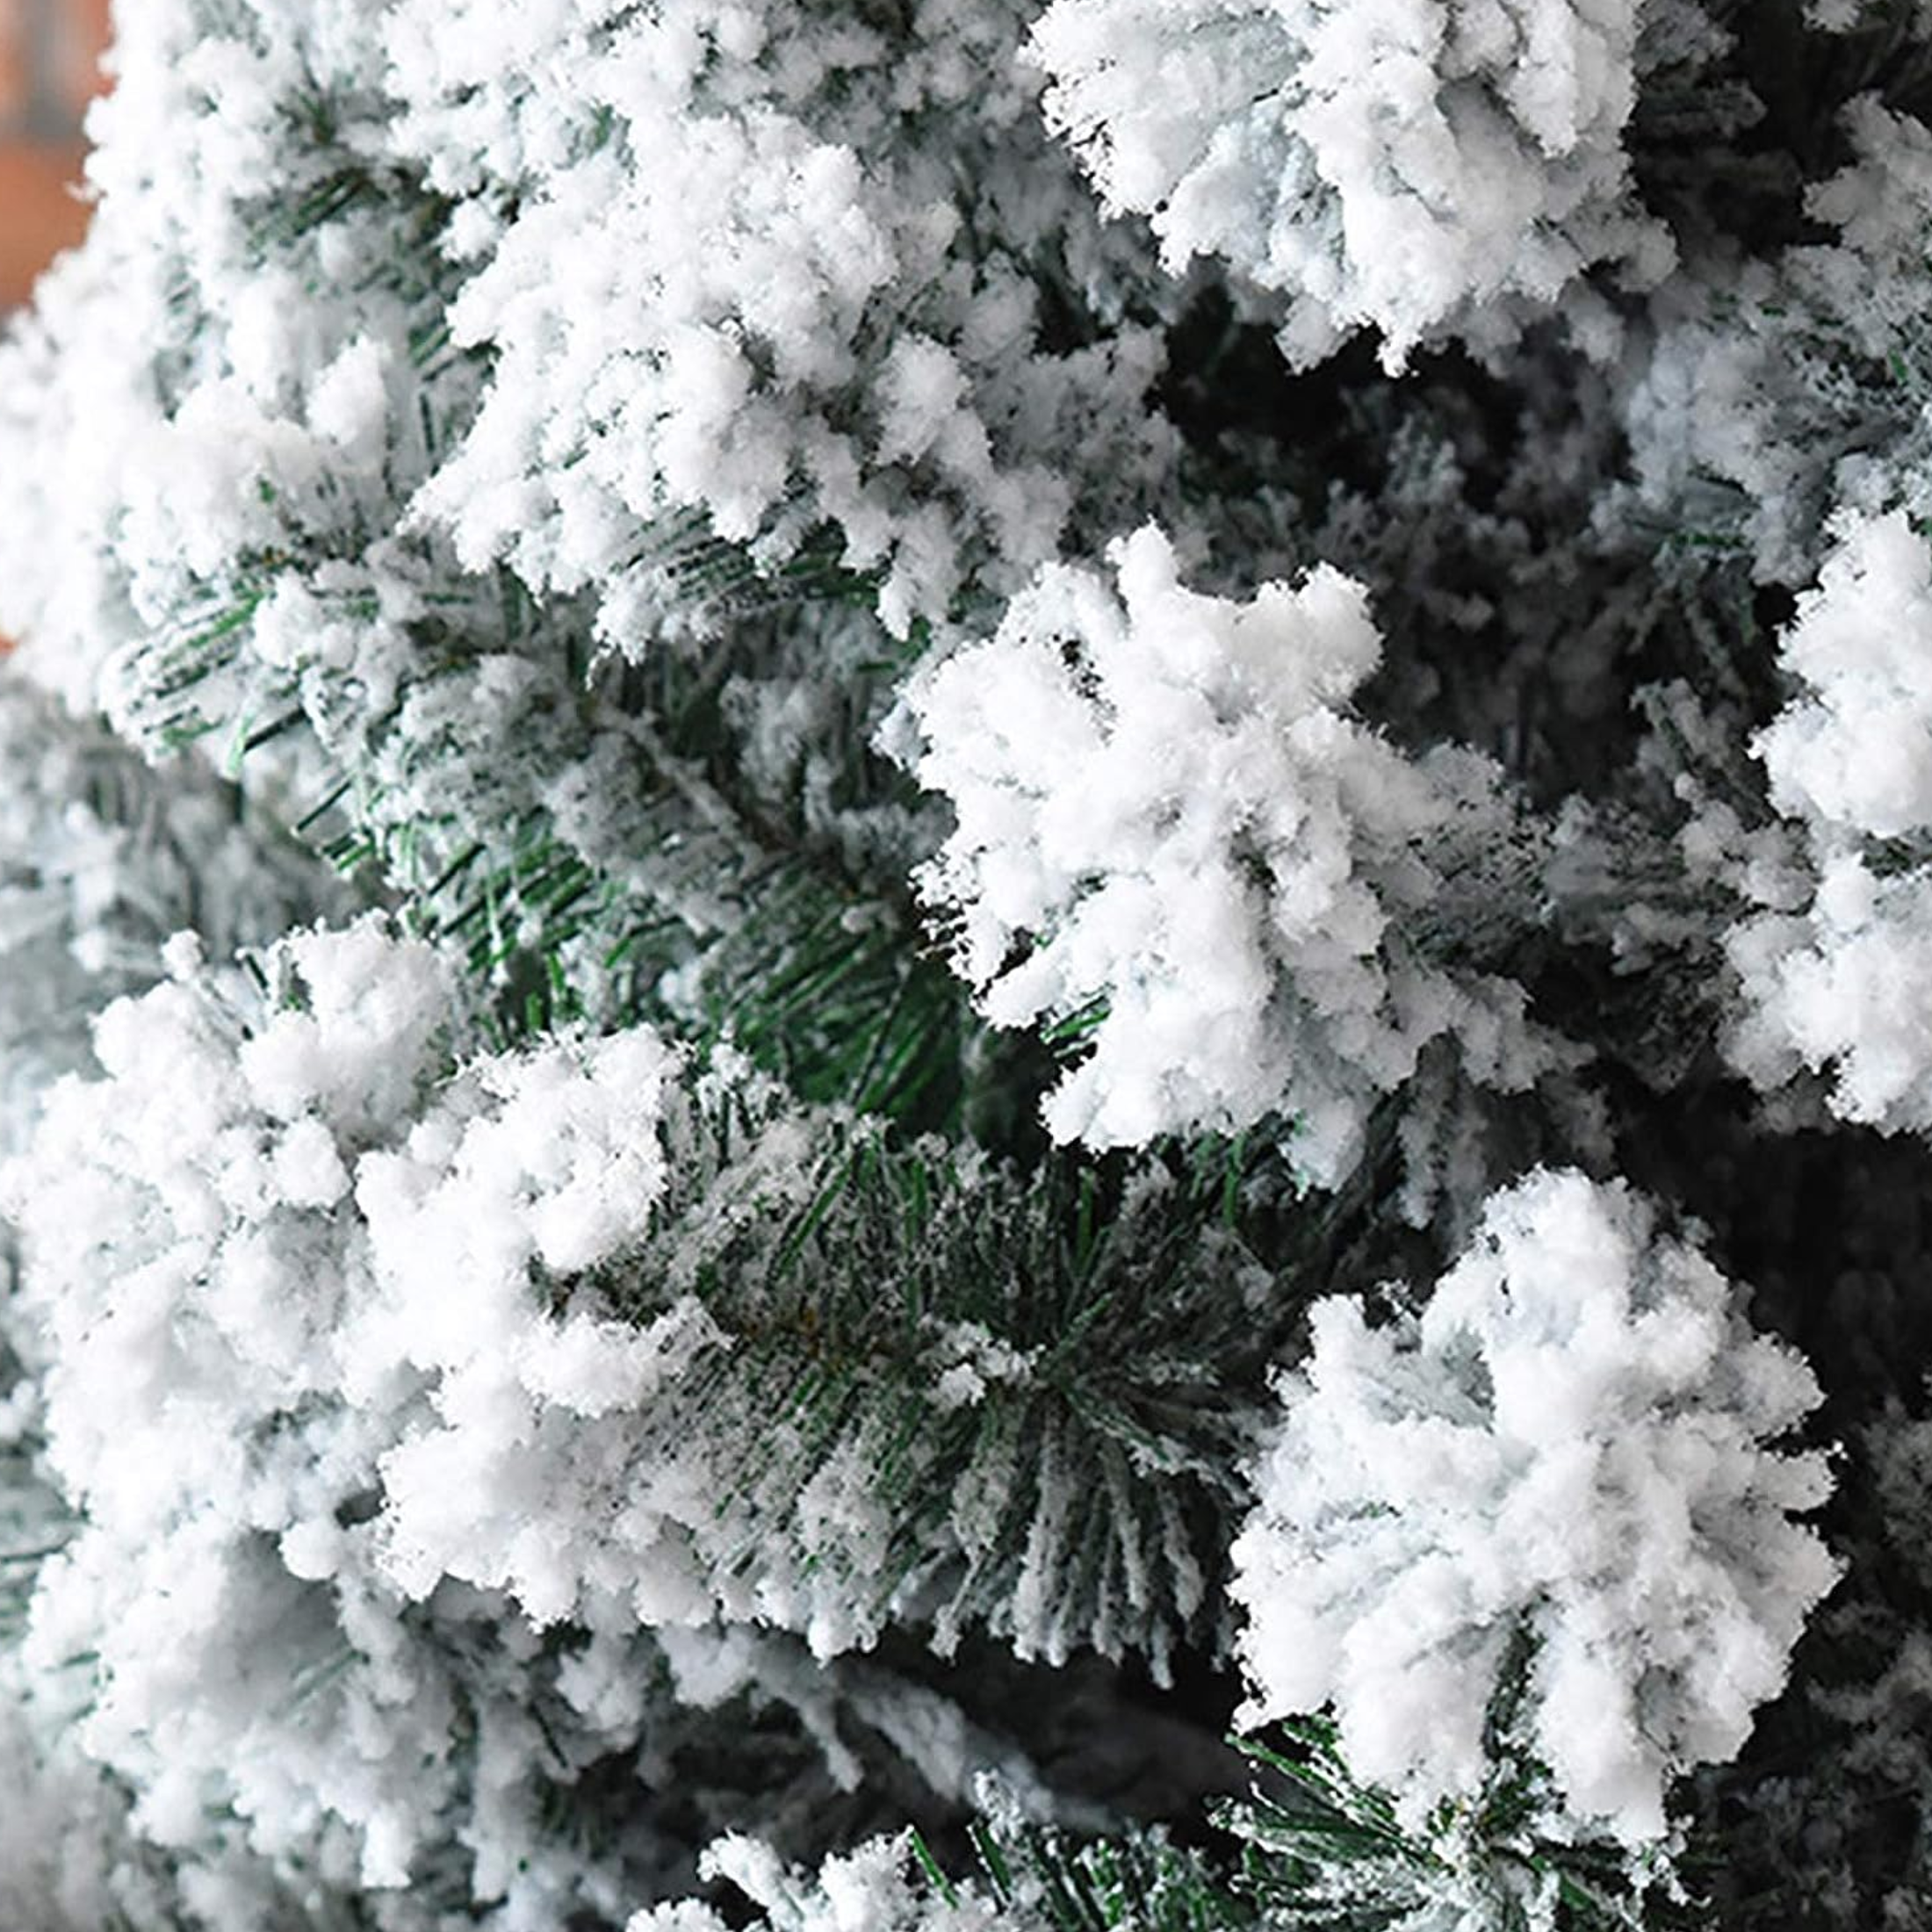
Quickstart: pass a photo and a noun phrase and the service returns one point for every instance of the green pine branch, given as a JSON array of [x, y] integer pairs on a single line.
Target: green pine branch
[[951, 1395], [1326, 1852]]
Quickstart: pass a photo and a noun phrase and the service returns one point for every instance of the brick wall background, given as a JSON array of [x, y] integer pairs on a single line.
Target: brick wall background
[[50, 54]]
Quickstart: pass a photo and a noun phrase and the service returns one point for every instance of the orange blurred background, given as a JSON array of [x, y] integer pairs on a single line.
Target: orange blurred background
[[50, 55]]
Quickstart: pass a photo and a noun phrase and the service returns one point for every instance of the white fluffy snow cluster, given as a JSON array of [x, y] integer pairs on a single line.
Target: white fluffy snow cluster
[[1854, 753], [1569, 1444], [1172, 834], [1840, 986], [1416, 166], [877, 1887], [252, 1393], [190, 399], [767, 274]]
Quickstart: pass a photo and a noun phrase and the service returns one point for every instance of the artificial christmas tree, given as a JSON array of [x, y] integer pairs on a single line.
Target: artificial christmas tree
[[962, 965]]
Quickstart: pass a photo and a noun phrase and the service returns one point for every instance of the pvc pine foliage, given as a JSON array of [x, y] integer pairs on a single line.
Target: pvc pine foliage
[[962, 964]]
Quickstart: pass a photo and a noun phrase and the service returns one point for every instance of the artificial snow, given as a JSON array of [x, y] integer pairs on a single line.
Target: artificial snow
[[1173, 835], [1573, 1446]]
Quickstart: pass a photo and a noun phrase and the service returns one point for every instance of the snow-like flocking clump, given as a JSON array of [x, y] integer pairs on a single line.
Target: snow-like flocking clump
[[299, 1230], [241, 1399], [1854, 750], [1173, 836], [878, 1886], [773, 272], [1570, 1446], [209, 368], [1839, 986], [1416, 166]]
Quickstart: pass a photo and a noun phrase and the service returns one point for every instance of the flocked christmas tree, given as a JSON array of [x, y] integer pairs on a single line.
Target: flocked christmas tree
[[964, 963]]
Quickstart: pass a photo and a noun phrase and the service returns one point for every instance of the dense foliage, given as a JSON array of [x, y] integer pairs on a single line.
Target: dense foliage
[[963, 963]]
